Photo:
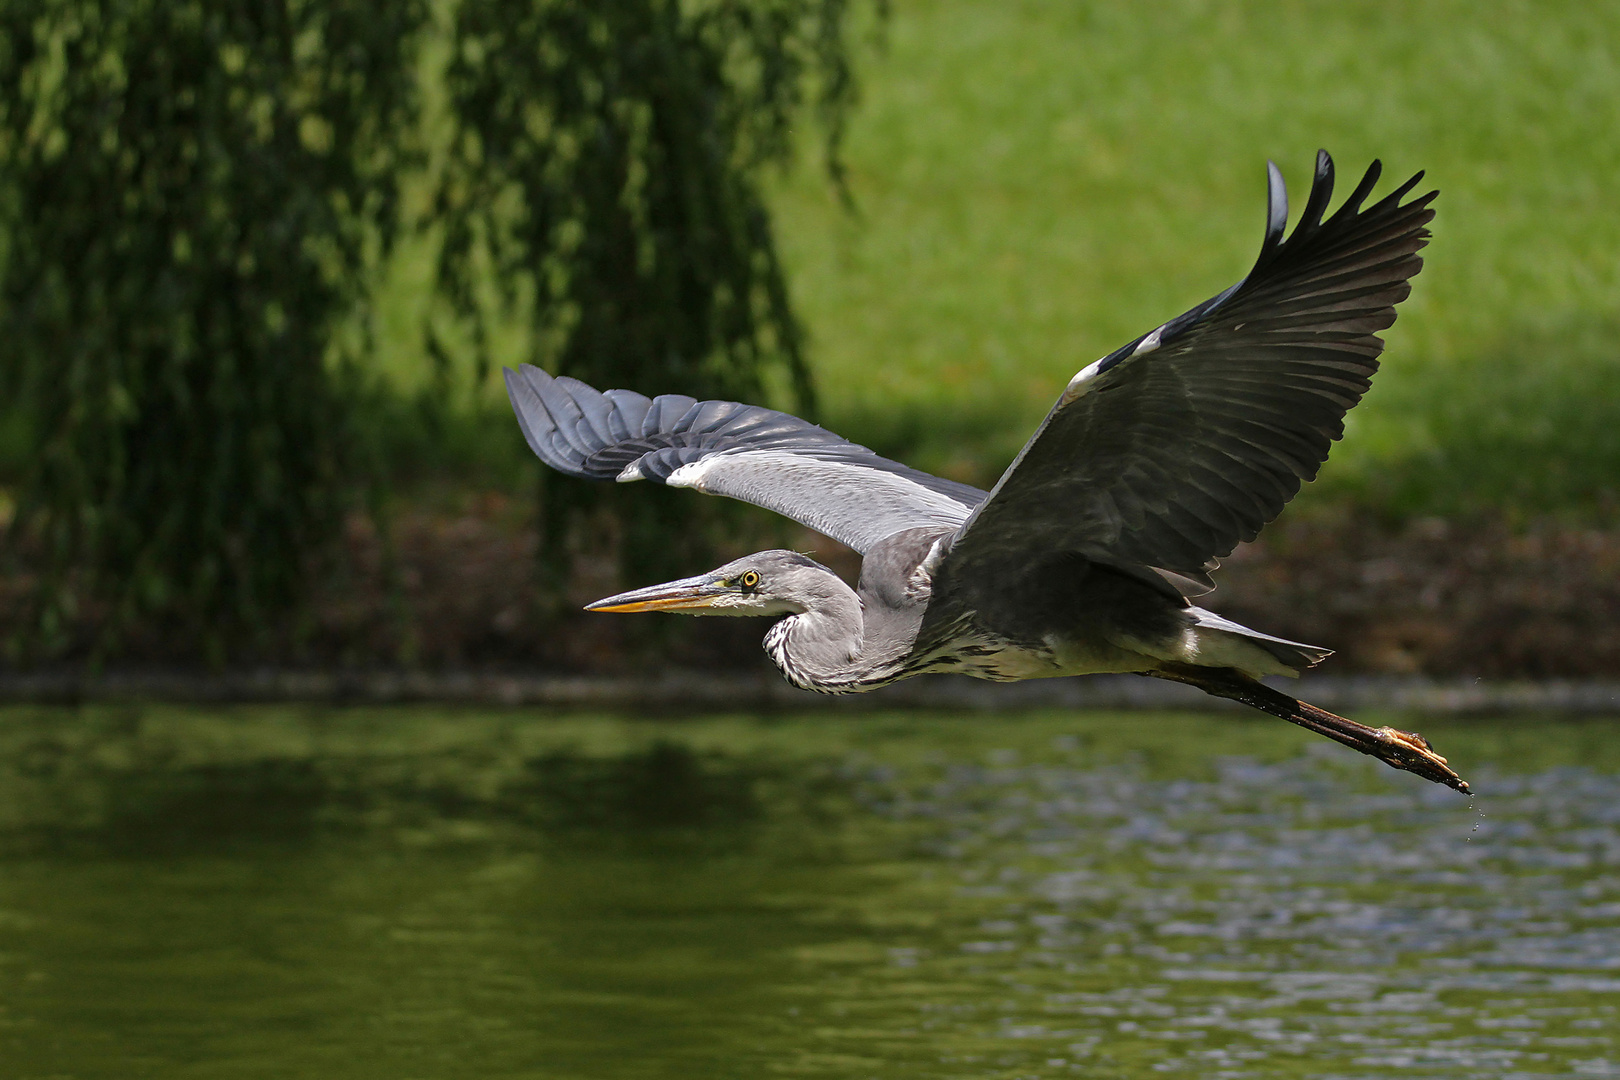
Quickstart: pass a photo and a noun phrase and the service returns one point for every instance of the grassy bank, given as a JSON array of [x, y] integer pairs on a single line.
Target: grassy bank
[[1039, 182]]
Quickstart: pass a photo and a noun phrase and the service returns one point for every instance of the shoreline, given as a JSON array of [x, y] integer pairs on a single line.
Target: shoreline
[[690, 690]]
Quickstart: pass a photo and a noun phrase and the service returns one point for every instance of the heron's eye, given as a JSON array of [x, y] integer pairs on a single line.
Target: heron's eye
[[749, 579]]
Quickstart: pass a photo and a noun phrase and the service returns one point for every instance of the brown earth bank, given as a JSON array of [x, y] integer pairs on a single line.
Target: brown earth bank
[[1435, 597], [454, 586], [1429, 597]]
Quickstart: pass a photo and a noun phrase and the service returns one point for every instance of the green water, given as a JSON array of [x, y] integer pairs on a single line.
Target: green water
[[424, 894]]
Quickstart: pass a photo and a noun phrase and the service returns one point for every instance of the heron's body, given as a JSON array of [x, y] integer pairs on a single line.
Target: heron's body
[[1156, 460], [1067, 617]]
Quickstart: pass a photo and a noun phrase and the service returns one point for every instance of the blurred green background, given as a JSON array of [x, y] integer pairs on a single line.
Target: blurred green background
[[1018, 189], [1041, 182], [1037, 183]]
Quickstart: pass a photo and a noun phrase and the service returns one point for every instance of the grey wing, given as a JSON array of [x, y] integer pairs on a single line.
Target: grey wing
[[746, 452], [1170, 451]]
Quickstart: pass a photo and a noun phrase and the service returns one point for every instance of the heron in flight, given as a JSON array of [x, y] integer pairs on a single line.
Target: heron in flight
[[1086, 556]]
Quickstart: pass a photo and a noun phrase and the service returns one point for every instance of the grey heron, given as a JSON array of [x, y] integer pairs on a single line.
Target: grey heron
[[1086, 556]]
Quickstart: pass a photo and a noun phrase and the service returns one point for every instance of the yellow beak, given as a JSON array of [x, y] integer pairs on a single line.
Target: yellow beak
[[687, 594]]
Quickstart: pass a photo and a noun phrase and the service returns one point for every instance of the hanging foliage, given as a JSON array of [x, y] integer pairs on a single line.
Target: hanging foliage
[[193, 189], [195, 196], [605, 173]]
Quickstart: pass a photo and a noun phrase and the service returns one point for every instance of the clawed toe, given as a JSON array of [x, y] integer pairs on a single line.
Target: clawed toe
[[1410, 751]]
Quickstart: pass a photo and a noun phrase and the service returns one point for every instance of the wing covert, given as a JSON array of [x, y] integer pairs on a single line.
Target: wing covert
[[747, 452]]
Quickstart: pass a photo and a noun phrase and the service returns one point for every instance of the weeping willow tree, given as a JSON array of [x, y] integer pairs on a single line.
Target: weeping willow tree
[[605, 168], [192, 187], [197, 194]]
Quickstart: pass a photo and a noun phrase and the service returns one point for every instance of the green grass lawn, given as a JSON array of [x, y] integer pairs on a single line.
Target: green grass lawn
[[1038, 182]]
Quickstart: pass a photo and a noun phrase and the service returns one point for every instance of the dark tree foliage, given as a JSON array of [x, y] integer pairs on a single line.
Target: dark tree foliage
[[607, 158], [196, 195], [192, 187]]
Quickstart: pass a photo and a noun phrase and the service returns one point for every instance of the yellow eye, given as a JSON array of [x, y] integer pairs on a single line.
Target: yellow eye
[[749, 579]]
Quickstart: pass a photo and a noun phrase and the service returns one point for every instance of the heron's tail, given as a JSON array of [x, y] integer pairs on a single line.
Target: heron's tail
[[1224, 643], [1400, 749]]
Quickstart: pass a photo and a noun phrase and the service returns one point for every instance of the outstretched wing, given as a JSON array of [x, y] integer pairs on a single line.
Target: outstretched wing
[[1168, 452], [746, 452]]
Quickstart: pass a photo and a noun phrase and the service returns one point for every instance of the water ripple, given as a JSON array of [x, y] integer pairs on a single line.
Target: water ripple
[[1287, 917]]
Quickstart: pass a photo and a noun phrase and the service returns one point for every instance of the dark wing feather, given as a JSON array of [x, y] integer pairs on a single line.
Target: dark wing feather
[[1169, 452], [746, 452]]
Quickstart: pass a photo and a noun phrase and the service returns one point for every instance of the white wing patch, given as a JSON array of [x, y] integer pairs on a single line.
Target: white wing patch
[[851, 503], [1081, 383]]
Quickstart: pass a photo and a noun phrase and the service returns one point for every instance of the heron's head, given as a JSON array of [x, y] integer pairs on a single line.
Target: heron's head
[[765, 583]]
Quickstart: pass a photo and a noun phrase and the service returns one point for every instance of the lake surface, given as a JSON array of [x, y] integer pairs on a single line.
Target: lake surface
[[420, 893]]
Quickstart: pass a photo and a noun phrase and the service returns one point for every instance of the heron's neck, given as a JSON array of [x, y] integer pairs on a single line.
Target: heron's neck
[[824, 648]]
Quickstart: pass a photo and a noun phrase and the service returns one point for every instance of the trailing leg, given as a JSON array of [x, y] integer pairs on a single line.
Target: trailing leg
[[1400, 749]]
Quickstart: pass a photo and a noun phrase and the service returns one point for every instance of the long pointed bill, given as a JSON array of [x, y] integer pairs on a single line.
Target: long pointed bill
[[688, 594]]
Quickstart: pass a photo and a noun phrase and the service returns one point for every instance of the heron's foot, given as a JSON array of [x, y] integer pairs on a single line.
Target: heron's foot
[[1410, 751], [1405, 750]]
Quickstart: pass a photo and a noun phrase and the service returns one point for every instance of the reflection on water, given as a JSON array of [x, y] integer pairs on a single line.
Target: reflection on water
[[414, 893]]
